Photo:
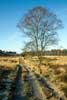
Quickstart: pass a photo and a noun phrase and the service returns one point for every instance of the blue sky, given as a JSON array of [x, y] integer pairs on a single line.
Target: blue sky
[[11, 11]]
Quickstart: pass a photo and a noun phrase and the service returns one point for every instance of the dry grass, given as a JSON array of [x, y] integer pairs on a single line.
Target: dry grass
[[9, 62], [54, 68]]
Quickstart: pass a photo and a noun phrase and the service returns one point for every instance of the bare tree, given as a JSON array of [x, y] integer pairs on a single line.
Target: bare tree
[[40, 25]]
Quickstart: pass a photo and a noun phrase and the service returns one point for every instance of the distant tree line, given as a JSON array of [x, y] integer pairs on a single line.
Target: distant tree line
[[7, 53], [53, 52]]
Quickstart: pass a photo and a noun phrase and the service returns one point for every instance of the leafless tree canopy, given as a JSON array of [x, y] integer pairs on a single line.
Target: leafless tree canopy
[[41, 26]]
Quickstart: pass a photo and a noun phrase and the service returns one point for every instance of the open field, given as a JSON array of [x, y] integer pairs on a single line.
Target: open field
[[9, 61], [53, 68]]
